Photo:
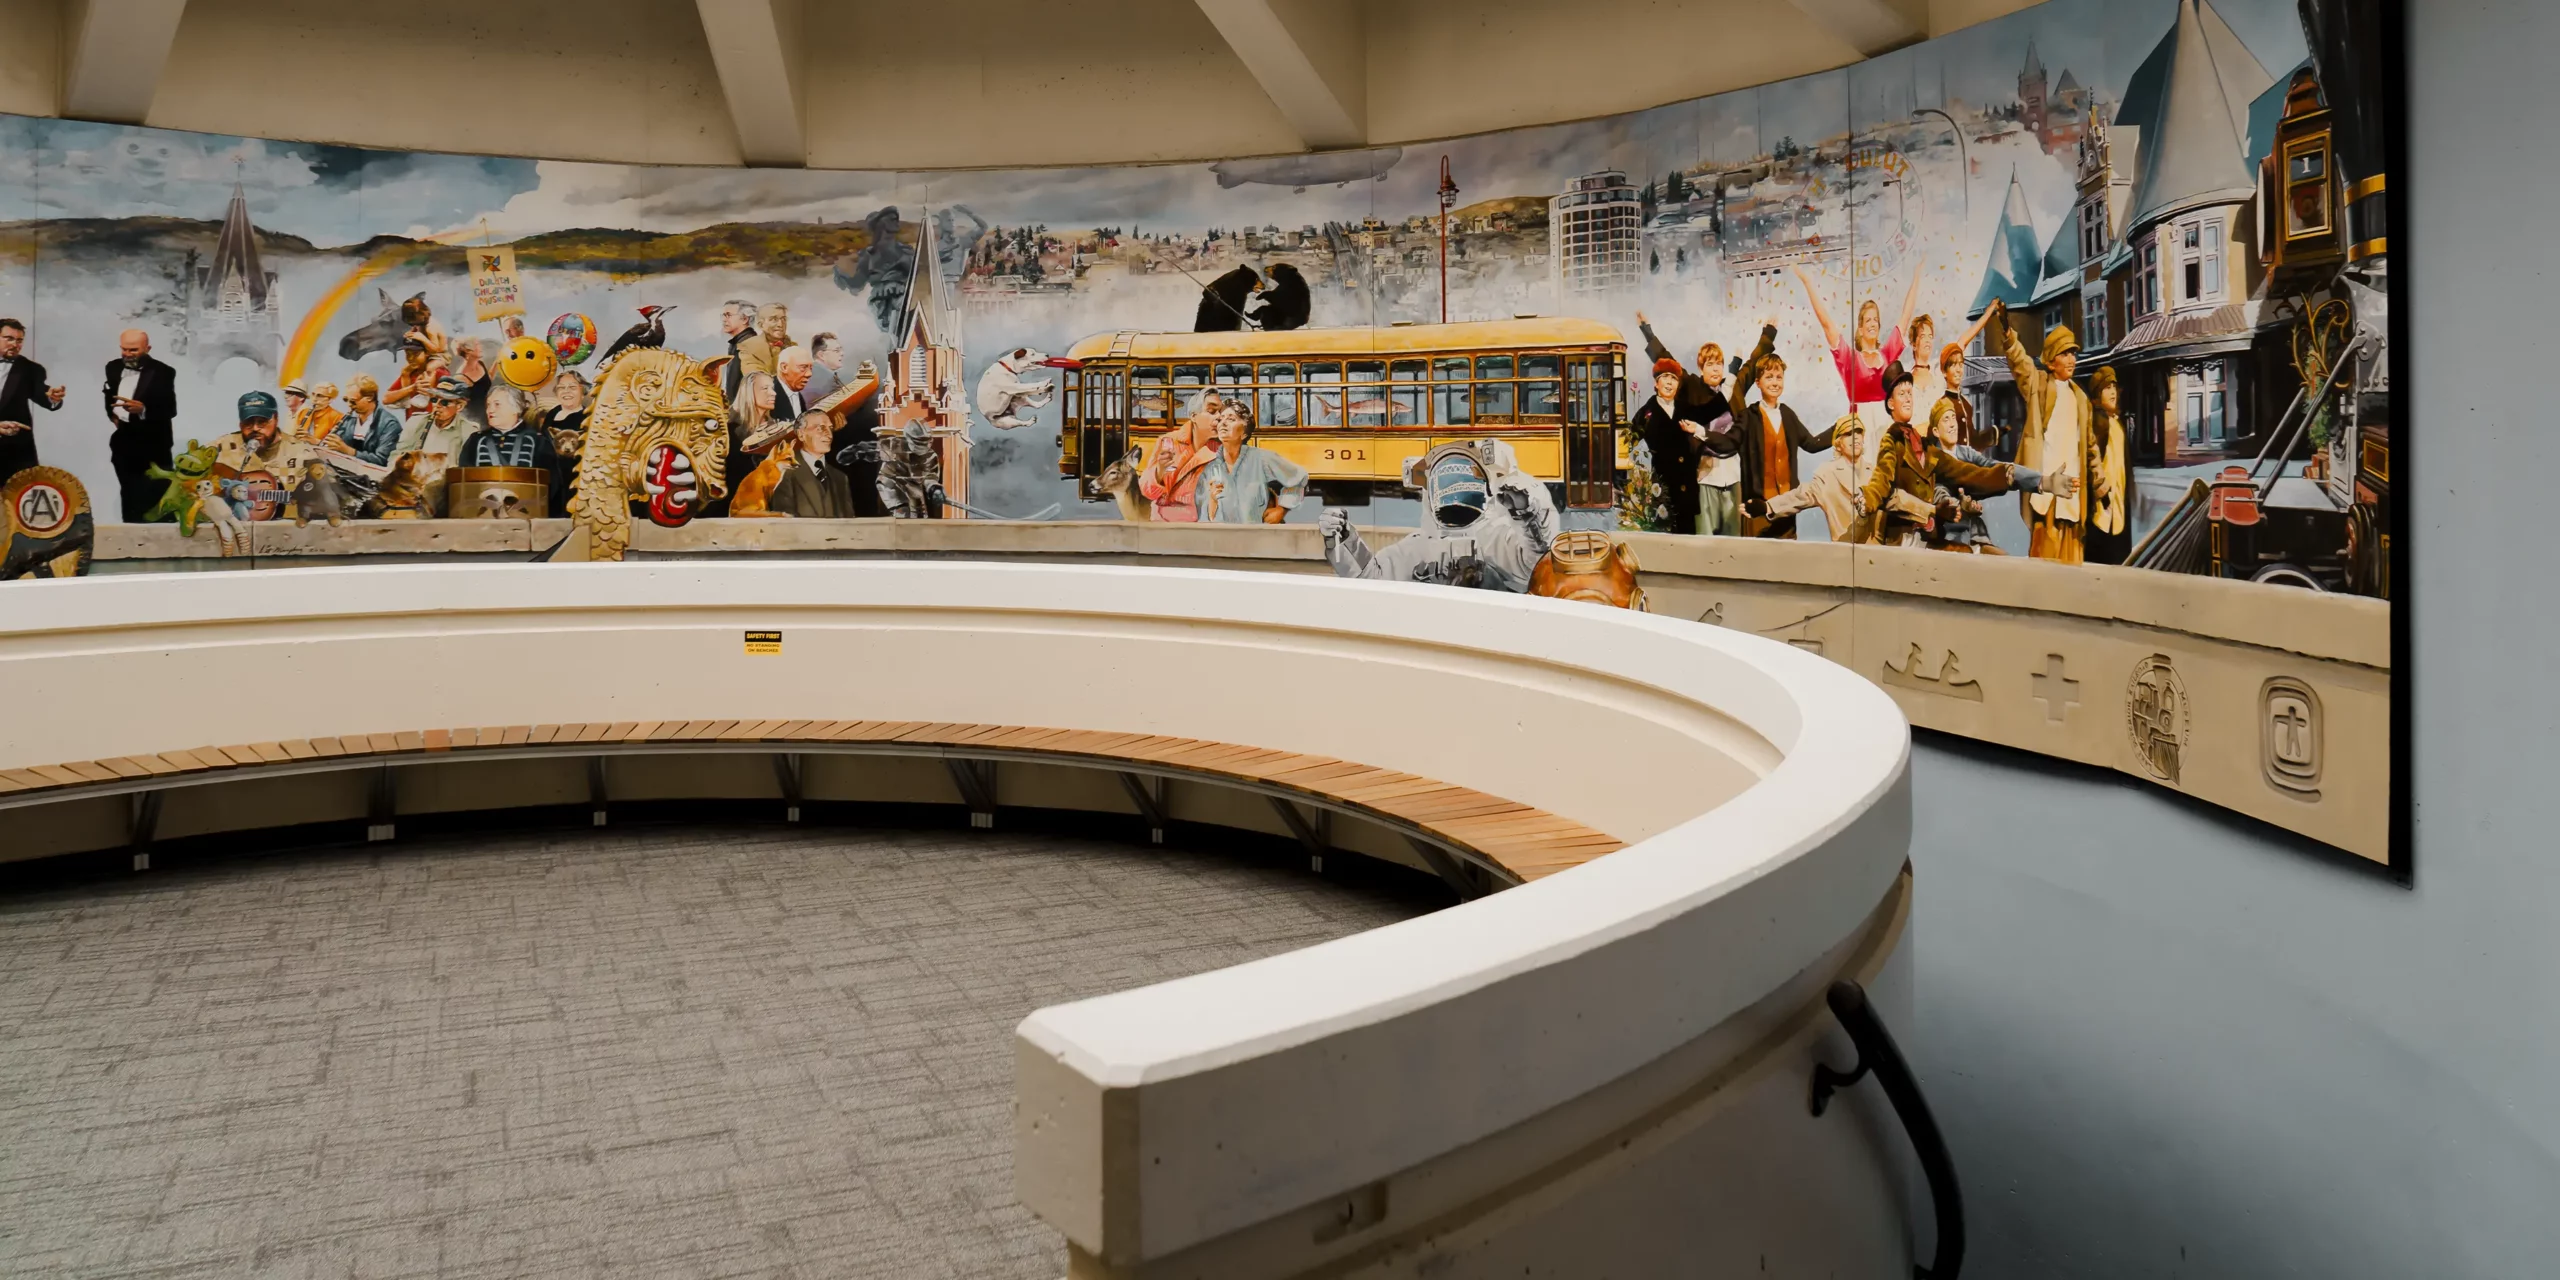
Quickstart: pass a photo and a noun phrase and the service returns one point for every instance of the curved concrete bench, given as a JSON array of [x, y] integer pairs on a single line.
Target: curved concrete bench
[[1600, 1070]]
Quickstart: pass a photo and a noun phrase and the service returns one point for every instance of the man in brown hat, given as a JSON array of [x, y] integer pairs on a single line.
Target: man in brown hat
[[2057, 439], [2109, 538]]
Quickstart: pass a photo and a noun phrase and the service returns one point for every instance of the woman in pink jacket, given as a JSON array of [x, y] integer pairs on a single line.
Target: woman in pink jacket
[[1172, 478]]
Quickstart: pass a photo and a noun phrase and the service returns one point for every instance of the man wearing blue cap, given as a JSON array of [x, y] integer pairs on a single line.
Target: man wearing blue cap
[[255, 467]]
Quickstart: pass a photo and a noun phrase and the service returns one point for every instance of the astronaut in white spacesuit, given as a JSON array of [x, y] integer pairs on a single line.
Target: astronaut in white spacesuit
[[1485, 524]]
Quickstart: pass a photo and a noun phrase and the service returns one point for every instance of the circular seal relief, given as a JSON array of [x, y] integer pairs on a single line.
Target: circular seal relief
[[2155, 712], [43, 500]]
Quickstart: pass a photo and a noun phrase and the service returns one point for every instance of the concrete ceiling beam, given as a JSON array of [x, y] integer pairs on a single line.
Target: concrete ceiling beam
[[755, 45], [1871, 26], [1310, 56], [113, 53]]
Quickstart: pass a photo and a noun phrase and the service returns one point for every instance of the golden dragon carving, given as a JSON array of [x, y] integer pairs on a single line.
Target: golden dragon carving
[[647, 400]]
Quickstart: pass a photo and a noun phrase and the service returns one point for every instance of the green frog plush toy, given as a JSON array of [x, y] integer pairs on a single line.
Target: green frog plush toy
[[177, 503]]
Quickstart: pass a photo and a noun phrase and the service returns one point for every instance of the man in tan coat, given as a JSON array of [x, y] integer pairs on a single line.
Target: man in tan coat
[[2057, 439]]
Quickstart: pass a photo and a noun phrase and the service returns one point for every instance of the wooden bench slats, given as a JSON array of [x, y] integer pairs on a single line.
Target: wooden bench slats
[[1529, 842]]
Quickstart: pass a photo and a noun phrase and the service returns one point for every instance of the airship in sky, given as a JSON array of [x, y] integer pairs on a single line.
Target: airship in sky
[[1323, 168]]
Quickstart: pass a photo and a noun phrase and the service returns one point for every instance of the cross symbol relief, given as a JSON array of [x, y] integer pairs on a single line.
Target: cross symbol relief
[[2058, 692]]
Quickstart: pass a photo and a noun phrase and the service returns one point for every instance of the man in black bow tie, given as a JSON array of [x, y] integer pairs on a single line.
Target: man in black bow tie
[[22, 388], [142, 410]]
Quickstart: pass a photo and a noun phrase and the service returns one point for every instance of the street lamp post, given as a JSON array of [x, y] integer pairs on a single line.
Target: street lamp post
[[1964, 158], [1448, 197]]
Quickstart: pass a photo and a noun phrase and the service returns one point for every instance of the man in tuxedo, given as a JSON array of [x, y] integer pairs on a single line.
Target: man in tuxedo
[[22, 386], [142, 413]]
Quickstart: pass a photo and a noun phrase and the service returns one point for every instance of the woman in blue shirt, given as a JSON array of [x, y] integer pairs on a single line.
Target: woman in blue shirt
[[1244, 483]]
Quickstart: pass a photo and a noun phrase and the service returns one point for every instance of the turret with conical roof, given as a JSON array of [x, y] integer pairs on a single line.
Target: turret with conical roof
[[2190, 99]]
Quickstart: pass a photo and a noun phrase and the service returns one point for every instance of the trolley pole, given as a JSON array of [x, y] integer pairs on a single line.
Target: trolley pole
[[1448, 197]]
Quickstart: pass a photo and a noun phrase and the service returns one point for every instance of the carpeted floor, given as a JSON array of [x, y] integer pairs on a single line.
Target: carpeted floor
[[651, 1053]]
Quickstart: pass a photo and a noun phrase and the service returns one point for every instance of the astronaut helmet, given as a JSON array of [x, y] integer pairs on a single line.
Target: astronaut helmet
[[1499, 460], [1455, 486]]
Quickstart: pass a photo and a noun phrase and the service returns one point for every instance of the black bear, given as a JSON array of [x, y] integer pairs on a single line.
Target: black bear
[[1287, 303], [1222, 301]]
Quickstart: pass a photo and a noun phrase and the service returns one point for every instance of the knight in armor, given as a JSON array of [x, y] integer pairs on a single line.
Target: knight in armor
[[1486, 524], [911, 472]]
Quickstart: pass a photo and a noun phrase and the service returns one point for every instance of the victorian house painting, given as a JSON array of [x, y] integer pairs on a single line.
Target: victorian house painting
[[2200, 259]]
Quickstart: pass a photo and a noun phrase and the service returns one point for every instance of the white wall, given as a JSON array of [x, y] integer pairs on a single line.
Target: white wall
[[2167, 1043]]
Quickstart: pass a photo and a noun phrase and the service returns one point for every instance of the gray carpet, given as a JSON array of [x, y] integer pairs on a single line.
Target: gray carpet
[[668, 1053]]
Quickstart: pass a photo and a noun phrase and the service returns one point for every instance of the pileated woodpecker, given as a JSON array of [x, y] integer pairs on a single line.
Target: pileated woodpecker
[[650, 332]]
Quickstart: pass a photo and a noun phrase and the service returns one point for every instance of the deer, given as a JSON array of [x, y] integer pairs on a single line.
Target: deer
[[1120, 480]]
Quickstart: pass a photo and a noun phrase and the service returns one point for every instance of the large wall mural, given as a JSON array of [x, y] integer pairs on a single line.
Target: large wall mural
[[2103, 282]]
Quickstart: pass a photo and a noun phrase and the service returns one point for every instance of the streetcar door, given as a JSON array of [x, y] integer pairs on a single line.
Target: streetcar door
[[1590, 434], [1104, 436]]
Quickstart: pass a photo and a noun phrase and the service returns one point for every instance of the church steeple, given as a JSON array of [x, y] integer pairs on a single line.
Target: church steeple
[[236, 253], [2034, 100]]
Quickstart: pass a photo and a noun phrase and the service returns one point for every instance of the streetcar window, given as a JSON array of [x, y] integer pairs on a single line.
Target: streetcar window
[[1234, 375], [1541, 387], [1324, 394], [1495, 401], [1279, 396], [1149, 399], [1407, 404], [1368, 404], [1577, 401], [1188, 379], [1450, 395]]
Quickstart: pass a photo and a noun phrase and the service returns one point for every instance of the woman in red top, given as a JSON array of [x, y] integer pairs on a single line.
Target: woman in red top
[[1862, 363], [1171, 480]]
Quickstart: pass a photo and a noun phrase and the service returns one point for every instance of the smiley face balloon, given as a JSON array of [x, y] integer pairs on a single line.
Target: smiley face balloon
[[529, 364]]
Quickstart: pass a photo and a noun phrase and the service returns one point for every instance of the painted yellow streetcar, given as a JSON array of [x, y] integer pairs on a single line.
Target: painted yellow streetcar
[[1352, 405]]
